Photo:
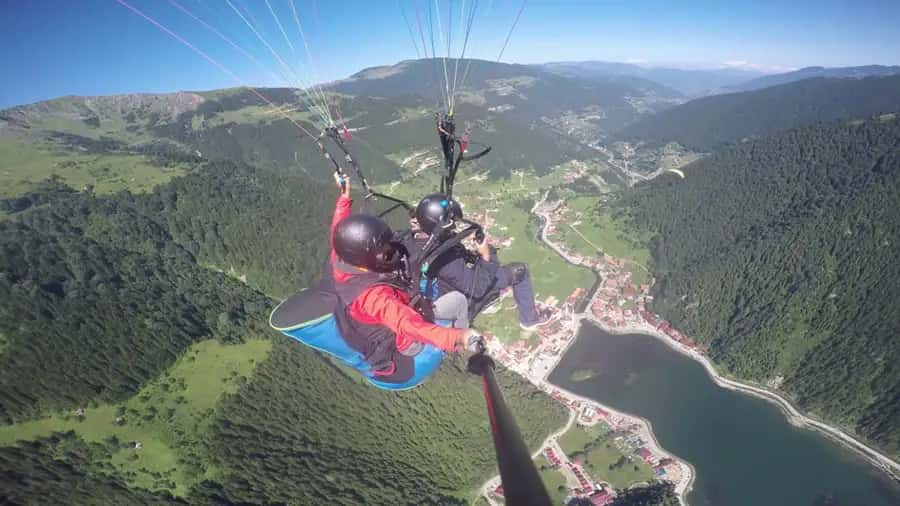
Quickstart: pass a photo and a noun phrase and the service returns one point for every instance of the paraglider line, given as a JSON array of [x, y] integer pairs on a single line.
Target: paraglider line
[[419, 23], [210, 60], [437, 8], [237, 48], [280, 27], [280, 60], [312, 64], [513, 27], [409, 29], [223, 37], [470, 22]]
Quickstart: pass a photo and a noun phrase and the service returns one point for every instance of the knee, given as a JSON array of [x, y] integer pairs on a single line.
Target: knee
[[518, 271], [452, 302], [457, 299]]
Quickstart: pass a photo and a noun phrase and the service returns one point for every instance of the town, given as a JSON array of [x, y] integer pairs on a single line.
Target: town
[[617, 305]]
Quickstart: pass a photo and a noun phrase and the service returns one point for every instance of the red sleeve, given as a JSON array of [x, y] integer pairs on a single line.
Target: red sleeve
[[341, 210], [382, 305]]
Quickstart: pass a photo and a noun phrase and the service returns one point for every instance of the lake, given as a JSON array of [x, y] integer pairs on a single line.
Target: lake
[[743, 448]]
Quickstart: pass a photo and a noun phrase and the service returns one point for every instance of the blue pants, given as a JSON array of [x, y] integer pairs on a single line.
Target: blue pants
[[523, 293]]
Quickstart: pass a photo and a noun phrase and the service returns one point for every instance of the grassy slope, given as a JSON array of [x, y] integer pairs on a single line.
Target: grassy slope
[[552, 479], [24, 162], [598, 228], [184, 399]]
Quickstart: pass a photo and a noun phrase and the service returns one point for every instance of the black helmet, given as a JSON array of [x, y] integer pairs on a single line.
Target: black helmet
[[366, 241], [436, 210]]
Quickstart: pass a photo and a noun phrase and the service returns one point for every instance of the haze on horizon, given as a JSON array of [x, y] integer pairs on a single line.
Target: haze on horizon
[[99, 47]]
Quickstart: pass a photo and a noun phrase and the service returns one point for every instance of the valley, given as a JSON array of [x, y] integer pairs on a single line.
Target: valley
[[213, 207]]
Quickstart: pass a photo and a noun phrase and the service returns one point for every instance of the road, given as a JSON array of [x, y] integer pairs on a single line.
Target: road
[[492, 483]]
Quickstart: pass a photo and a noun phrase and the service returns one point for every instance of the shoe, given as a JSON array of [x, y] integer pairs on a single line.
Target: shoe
[[545, 316]]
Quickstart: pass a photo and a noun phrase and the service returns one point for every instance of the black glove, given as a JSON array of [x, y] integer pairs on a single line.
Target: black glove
[[475, 344]]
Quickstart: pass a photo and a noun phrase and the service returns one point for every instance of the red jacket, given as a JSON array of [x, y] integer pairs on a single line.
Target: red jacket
[[388, 306]]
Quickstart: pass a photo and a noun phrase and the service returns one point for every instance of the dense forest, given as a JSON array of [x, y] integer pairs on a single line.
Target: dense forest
[[656, 494], [101, 294], [781, 255], [266, 228], [63, 469], [99, 290], [707, 123], [362, 445]]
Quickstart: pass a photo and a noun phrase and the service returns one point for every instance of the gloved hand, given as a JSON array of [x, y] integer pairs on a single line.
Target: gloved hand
[[475, 342], [343, 184], [484, 249]]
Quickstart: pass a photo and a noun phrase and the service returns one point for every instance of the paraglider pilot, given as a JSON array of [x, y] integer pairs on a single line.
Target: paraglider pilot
[[360, 312], [483, 281], [364, 260]]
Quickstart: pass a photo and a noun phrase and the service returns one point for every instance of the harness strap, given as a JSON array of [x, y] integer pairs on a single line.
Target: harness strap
[[420, 271]]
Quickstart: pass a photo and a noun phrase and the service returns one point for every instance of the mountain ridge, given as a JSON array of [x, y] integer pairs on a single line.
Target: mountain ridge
[[709, 122], [856, 72], [689, 82]]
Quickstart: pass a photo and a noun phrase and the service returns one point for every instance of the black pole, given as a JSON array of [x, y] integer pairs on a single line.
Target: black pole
[[522, 484]]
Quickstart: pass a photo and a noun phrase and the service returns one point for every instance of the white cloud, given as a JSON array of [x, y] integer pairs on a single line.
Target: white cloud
[[635, 61], [759, 67]]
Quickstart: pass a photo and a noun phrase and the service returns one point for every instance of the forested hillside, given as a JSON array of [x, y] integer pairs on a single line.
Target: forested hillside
[[707, 123], [265, 228], [781, 255], [101, 296], [101, 292]]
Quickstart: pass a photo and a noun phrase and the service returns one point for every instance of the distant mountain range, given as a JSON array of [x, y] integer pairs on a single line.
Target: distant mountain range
[[521, 92], [687, 82], [708, 122], [808, 72], [533, 118], [674, 82]]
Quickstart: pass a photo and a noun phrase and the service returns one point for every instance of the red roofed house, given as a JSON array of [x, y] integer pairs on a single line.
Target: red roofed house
[[644, 454], [601, 498]]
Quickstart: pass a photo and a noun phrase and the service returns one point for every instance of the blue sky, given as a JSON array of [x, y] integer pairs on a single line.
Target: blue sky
[[95, 47]]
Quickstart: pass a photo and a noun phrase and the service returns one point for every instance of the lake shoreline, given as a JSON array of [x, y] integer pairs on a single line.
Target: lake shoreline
[[682, 487], [681, 490], [793, 415]]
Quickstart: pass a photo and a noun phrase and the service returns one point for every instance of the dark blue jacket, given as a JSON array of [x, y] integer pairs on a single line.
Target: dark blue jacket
[[453, 272]]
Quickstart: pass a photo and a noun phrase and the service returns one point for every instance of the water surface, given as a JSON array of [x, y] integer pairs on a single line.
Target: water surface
[[744, 450]]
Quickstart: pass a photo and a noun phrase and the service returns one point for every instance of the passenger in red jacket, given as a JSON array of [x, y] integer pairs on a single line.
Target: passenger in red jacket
[[374, 315]]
